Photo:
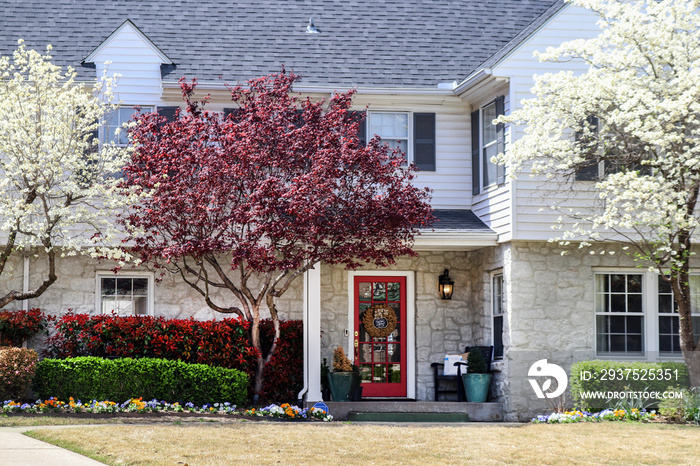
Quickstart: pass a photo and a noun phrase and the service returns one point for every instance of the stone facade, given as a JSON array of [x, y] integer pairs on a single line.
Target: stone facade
[[550, 313], [442, 326], [76, 289], [549, 307]]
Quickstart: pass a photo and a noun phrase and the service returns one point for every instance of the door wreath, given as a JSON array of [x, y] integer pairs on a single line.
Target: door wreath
[[379, 320]]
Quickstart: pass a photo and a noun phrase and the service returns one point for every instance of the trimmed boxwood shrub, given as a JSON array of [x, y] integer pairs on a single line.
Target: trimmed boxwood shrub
[[93, 378], [624, 380]]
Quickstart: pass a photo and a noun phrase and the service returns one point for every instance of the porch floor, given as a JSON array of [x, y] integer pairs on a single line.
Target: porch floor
[[397, 411]]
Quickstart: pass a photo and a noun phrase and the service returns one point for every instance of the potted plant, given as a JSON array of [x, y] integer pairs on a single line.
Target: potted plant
[[342, 379], [477, 380]]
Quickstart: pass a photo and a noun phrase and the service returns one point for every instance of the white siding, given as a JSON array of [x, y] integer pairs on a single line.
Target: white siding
[[137, 65], [451, 182], [533, 217]]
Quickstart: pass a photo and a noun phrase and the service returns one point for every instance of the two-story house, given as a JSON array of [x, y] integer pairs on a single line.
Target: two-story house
[[433, 76]]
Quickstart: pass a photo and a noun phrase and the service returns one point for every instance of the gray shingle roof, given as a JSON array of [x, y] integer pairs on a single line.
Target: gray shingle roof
[[372, 43], [458, 220]]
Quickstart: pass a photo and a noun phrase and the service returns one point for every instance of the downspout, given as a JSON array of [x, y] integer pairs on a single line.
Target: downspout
[[25, 282], [25, 278], [305, 388]]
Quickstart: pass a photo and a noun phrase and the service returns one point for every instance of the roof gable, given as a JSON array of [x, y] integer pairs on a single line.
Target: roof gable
[[127, 33]]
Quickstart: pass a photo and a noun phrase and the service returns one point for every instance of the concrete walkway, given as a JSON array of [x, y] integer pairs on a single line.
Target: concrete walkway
[[16, 449]]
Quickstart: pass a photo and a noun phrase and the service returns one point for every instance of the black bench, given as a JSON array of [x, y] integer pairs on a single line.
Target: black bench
[[449, 384]]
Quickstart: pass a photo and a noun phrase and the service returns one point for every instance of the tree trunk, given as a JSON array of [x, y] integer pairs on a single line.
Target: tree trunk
[[680, 283], [692, 360]]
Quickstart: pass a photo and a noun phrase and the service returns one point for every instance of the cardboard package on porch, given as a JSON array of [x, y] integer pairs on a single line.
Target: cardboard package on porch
[[450, 360]]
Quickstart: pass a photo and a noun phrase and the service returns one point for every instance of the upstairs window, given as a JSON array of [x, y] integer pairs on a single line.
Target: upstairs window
[[392, 127], [602, 156], [115, 120], [413, 133], [488, 140]]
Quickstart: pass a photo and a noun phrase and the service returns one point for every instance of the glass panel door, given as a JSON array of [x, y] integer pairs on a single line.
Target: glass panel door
[[380, 323]]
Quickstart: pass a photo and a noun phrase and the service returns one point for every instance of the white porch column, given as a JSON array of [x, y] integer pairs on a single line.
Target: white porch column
[[312, 333]]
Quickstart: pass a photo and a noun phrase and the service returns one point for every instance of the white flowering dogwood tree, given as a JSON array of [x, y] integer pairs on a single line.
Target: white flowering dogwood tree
[[57, 184], [627, 130]]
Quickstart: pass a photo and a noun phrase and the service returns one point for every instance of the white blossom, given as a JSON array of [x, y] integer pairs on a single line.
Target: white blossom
[[643, 84], [57, 184]]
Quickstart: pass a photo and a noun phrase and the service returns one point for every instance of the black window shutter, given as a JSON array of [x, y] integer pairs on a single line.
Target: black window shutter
[[231, 111], [170, 113], [500, 139], [475, 152], [424, 141], [299, 117], [360, 117], [589, 171]]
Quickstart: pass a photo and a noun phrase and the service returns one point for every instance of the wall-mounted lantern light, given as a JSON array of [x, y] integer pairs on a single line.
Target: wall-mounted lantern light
[[445, 285]]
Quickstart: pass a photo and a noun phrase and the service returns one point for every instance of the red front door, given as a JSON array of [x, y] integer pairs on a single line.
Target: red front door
[[380, 335]]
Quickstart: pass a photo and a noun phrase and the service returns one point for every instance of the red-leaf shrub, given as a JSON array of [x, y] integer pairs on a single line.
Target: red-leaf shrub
[[222, 343], [17, 367], [287, 364], [16, 327]]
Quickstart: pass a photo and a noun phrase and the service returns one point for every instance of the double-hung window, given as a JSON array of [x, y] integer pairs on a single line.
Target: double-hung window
[[669, 325], [392, 127], [413, 133], [498, 314], [619, 313], [488, 140], [125, 294], [636, 314]]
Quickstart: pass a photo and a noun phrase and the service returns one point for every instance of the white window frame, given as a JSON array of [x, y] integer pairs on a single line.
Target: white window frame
[[483, 146], [694, 315], [642, 314], [502, 314], [108, 274], [409, 139], [651, 314], [104, 129]]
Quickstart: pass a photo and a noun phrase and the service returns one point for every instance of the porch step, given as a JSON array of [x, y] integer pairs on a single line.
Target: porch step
[[407, 417], [475, 412]]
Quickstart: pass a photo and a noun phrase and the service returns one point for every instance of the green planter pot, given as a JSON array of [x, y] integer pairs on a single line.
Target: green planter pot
[[342, 385], [476, 387]]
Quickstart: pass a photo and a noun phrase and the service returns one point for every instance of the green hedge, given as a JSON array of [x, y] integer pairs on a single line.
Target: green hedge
[[623, 379], [92, 378]]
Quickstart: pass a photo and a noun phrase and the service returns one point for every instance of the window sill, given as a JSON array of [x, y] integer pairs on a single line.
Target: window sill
[[489, 189], [498, 365]]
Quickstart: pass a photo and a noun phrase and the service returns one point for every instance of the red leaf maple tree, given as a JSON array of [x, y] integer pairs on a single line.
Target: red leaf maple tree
[[241, 205]]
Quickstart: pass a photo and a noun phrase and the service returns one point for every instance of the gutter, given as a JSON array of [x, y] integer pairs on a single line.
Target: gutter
[[472, 80], [331, 89]]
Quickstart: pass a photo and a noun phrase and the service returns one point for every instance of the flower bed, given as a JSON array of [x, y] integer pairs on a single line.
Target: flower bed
[[569, 417], [134, 405], [287, 411], [137, 405]]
